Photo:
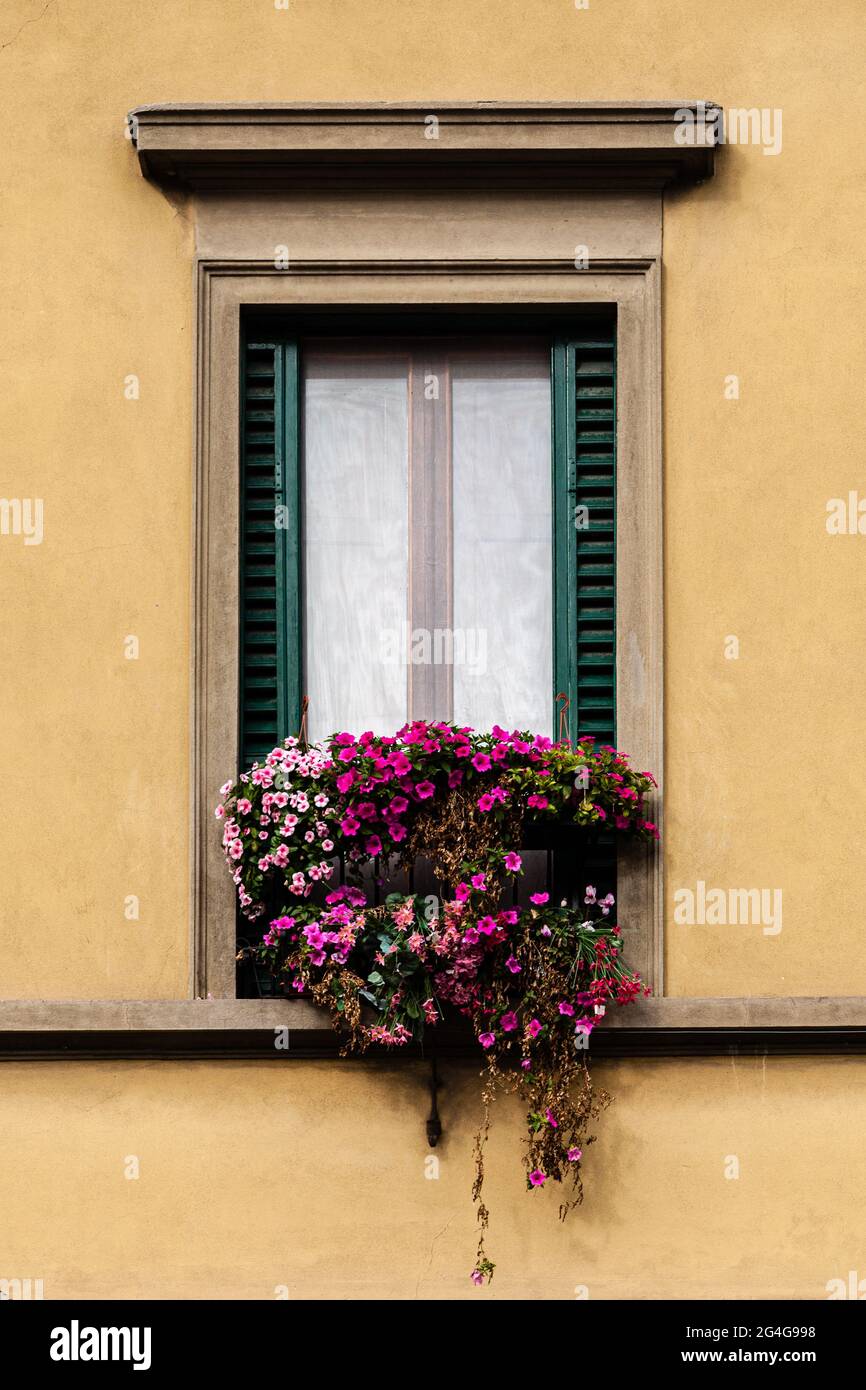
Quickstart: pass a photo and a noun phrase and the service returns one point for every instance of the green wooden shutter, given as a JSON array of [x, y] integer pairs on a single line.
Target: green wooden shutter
[[270, 651], [584, 450]]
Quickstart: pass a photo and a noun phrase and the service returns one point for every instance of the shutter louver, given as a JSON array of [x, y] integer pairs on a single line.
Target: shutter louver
[[269, 548], [595, 489]]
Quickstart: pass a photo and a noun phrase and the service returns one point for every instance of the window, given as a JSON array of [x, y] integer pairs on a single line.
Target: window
[[428, 531]]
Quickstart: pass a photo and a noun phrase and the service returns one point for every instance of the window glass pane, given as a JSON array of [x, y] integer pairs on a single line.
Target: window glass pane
[[502, 545], [355, 431]]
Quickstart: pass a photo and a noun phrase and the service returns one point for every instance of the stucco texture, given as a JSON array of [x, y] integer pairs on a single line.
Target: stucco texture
[[308, 1181]]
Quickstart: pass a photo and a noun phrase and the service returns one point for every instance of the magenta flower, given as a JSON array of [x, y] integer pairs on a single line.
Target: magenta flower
[[479, 881], [533, 1028], [374, 845], [574, 1155], [539, 803], [536, 1177], [477, 1277], [481, 762], [566, 1008], [486, 1039], [509, 1021], [486, 802], [513, 862], [539, 899], [424, 790], [513, 964], [487, 926], [551, 1119]]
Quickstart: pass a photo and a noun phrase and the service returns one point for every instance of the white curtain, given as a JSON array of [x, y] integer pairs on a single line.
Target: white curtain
[[466, 462], [356, 430], [503, 563]]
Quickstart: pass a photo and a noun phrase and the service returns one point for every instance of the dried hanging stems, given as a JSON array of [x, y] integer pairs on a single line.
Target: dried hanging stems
[[534, 979]]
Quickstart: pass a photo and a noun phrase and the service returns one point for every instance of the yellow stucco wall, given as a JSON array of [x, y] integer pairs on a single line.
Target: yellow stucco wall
[[312, 1177], [765, 754]]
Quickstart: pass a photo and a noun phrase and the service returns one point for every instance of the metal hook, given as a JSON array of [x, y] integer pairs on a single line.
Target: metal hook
[[434, 1124]]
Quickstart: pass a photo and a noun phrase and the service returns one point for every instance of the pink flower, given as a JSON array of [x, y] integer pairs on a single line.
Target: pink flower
[[566, 1008], [350, 826], [486, 1039], [345, 781], [533, 1028], [455, 778], [487, 926], [513, 862], [477, 1277], [424, 790], [574, 1155], [486, 802], [513, 964], [479, 881], [346, 755], [509, 1022], [481, 762], [551, 1119], [373, 845], [536, 1177], [539, 899], [244, 806], [461, 892], [539, 803], [589, 896]]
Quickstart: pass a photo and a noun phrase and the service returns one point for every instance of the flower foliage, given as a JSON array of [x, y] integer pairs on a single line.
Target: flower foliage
[[534, 979]]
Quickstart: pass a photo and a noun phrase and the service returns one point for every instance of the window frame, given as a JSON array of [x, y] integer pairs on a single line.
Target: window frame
[[542, 288]]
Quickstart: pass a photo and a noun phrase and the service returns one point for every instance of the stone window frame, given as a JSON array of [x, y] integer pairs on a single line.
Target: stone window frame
[[604, 149]]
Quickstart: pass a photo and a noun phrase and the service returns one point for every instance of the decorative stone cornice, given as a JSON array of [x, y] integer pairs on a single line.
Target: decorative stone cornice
[[256, 146]]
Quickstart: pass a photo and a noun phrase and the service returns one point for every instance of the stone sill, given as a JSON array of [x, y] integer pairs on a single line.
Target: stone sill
[[52, 1029]]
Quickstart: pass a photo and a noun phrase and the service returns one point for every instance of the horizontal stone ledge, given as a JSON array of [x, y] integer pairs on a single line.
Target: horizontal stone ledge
[[300, 1015], [210, 145]]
